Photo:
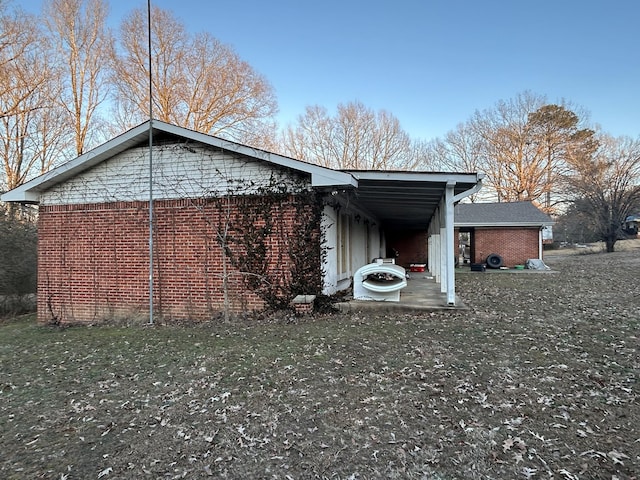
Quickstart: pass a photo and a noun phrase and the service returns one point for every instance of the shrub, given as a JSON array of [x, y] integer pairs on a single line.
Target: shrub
[[18, 264]]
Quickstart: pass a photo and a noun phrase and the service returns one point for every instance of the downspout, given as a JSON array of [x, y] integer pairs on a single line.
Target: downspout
[[450, 201]]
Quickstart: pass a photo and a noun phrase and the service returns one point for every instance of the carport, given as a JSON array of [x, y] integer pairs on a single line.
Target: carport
[[420, 201]]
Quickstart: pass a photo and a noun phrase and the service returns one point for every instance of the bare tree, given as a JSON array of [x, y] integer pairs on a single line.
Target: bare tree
[[50, 139], [390, 145], [81, 41], [30, 137], [520, 145], [424, 155], [17, 39], [198, 82], [311, 140], [356, 138], [459, 151], [604, 182]]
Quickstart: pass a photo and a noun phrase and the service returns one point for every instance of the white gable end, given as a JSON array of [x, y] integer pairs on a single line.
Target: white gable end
[[179, 171]]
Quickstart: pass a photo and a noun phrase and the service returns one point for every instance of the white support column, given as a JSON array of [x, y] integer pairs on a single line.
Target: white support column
[[436, 253], [449, 278], [443, 245], [435, 266], [430, 257], [443, 260], [540, 249], [449, 209], [441, 232]]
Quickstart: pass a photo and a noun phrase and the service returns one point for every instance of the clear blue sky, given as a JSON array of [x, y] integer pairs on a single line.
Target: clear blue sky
[[431, 63]]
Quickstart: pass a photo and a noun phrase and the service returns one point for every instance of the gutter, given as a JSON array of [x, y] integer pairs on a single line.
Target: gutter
[[511, 225]]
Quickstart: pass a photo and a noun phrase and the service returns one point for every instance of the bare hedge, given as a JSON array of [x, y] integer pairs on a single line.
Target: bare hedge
[[18, 264]]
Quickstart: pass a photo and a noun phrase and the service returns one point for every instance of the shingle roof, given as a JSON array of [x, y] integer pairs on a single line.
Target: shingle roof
[[500, 214]]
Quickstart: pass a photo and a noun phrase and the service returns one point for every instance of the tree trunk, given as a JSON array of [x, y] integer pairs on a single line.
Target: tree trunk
[[610, 242]]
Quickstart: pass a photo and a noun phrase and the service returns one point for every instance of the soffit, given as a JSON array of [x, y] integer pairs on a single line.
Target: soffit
[[406, 200]]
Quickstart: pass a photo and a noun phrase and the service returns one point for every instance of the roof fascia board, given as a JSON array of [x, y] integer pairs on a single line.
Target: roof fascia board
[[502, 224], [20, 196], [320, 176], [30, 191], [438, 177]]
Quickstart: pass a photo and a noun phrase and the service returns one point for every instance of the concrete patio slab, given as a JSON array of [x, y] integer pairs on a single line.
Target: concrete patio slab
[[421, 294]]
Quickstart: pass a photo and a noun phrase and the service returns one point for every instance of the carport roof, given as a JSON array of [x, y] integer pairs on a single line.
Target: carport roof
[[407, 200]]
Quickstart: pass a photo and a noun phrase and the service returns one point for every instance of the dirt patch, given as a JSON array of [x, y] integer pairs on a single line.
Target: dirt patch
[[537, 379]]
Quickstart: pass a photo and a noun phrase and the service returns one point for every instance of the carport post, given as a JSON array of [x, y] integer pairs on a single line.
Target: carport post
[[540, 242], [449, 209]]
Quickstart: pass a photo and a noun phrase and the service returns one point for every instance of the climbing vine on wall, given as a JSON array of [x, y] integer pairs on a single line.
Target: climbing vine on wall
[[307, 249], [272, 239]]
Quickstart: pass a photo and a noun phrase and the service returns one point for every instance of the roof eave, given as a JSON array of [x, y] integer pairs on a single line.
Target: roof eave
[[22, 196], [436, 177], [29, 192], [338, 179], [503, 224], [320, 176]]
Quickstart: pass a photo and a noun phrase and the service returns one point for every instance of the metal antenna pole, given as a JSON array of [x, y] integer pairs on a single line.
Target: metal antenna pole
[[150, 170]]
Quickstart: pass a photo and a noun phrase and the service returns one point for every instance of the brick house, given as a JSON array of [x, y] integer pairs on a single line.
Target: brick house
[[514, 230], [235, 228]]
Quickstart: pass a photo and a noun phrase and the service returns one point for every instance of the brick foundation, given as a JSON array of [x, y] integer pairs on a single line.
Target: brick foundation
[[93, 259]]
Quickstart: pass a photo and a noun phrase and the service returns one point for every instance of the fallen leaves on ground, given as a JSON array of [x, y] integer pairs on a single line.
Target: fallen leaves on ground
[[538, 378]]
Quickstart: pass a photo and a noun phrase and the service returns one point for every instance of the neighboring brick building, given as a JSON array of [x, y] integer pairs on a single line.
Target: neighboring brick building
[[235, 228], [513, 230], [409, 247]]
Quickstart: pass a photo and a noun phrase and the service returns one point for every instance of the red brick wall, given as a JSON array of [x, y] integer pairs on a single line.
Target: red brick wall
[[93, 260], [514, 245], [411, 246]]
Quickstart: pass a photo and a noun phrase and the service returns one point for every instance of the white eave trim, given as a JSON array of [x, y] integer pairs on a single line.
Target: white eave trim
[[29, 192], [320, 176], [20, 196], [511, 225], [436, 177]]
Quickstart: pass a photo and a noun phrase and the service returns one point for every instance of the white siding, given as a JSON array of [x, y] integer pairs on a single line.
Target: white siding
[[179, 171], [363, 245], [359, 244]]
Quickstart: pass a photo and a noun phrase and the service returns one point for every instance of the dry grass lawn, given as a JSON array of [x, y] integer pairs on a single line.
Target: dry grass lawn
[[537, 379]]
